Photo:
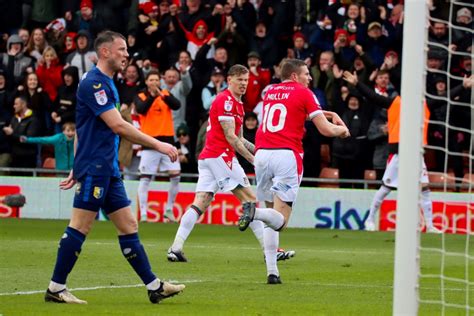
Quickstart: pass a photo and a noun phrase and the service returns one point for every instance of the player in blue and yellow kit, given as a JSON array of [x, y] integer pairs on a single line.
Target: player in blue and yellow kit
[[98, 178]]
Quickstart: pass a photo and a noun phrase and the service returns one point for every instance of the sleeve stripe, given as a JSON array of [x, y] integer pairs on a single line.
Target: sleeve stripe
[[313, 114], [225, 118]]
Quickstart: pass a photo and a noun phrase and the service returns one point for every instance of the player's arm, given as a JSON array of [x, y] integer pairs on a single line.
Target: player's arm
[[328, 129], [228, 126], [367, 92], [334, 117], [118, 125]]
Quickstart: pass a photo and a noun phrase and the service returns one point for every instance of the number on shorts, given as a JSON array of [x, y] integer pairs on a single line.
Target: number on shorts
[[269, 114]]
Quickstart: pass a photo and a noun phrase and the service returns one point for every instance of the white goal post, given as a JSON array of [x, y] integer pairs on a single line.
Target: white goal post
[[405, 293]]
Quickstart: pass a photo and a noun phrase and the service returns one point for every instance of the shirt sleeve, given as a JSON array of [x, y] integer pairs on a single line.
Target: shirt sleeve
[[98, 96], [311, 104]]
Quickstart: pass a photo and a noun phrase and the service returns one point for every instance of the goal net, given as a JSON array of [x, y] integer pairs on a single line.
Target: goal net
[[442, 265]]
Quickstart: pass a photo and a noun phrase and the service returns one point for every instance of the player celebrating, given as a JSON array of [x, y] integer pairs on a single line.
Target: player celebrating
[[96, 171], [390, 177], [218, 167], [279, 157]]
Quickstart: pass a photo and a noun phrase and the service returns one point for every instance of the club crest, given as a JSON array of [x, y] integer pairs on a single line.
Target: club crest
[[101, 97], [98, 192], [228, 105]]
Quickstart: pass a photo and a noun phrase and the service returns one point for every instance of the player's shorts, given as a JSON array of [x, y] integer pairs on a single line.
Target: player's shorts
[[390, 176], [151, 160], [278, 171], [100, 192], [215, 174]]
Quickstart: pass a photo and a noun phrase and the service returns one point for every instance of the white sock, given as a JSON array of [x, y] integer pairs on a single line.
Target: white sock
[[379, 196], [172, 192], [185, 227], [257, 228], [271, 238], [427, 206], [271, 217], [56, 287], [153, 285], [143, 186]]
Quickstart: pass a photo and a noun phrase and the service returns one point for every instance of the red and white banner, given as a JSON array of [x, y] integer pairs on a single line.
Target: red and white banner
[[7, 211]]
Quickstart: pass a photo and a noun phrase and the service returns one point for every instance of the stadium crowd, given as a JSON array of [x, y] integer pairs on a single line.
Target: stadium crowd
[[46, 46]]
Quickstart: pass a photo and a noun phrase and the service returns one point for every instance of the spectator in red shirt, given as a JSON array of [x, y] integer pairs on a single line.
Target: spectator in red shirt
[[49, 72], [259, 78]]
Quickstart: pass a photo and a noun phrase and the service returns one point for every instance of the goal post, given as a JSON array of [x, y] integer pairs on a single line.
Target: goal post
[[406, 269]]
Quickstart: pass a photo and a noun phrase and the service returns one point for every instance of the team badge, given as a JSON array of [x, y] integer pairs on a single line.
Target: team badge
[[228, 105], [98, 191], [246, 181], [101, 97]]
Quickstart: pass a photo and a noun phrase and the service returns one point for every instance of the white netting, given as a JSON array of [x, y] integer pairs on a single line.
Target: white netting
[[446, 278]]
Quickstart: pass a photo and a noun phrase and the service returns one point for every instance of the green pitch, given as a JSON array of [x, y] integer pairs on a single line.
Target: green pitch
[[333, 272]]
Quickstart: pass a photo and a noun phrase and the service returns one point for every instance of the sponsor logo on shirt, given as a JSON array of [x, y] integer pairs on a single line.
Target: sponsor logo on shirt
[[101, 97]]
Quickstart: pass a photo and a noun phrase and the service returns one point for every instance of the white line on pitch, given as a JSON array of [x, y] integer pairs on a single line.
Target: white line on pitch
[[336, 285]]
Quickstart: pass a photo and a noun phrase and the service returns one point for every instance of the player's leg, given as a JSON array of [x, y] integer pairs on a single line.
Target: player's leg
[[390, 182], [426, 202], [201, 202], [205, 189], [282, 254], [68, 252], [117, 207], [148, 166], [175, 177]]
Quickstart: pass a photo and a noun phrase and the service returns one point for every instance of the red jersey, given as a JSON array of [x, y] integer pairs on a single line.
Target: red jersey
[[225, 107], [286, 106]]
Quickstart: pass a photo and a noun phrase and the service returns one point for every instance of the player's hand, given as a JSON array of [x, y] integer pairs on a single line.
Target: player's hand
[[168, 150], [68, 183], [336, 120], [344, 132], [22, 139]]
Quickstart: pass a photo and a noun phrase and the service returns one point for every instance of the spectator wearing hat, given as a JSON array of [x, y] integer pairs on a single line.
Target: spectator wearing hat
[[64, 108], [186, 156], [55, 33], [259, 78], [193, 11], [249, 130], [14, 61], [344, 45], [375, 40], [462, 38], [49, 72], [300, 49], [86, 19], [84, 58], [69, 46], [215, 85], [392, 64], [434, 63]]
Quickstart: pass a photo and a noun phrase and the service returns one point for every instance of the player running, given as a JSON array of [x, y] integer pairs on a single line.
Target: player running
[[218, 167], [279, 153], [96, 172]]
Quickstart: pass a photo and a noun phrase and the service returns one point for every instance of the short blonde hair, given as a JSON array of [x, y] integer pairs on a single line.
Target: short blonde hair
[[50, 49]]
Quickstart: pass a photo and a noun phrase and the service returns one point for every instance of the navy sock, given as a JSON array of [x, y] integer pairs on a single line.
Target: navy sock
[[68, 252], [134, 252]]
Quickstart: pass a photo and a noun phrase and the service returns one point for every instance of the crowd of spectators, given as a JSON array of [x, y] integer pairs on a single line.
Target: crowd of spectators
[[46, 46]]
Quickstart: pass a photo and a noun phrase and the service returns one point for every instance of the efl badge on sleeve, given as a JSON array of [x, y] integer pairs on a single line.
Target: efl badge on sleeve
[[101, 97], [228, 105], [98, 191]]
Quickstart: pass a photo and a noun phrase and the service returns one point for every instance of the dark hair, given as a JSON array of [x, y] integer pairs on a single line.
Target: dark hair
[[106, 37], [152, 72], [290, 66], [23, 98], [237, 70], [382, 72]]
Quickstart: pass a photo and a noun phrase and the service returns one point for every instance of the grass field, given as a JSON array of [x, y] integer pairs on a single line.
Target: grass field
[[333, 273]]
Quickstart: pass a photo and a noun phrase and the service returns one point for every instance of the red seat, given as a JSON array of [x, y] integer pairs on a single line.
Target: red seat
[[329, 173], [49, 163], [440, 180], [372, 176], [325, 152]]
